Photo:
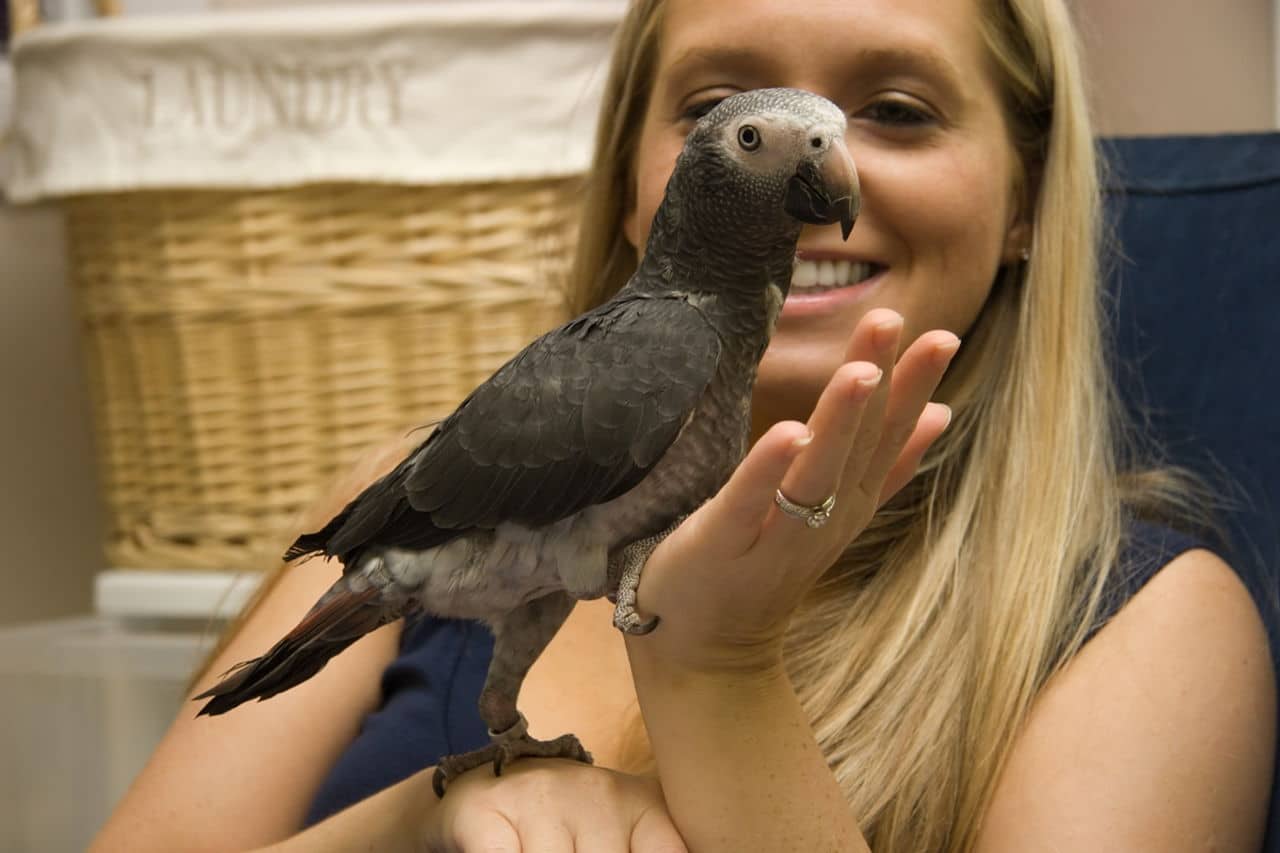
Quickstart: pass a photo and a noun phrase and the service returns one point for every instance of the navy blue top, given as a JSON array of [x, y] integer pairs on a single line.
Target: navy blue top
[[429, 692]]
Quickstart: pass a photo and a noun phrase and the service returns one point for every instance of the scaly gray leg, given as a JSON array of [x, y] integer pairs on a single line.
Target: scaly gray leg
[[626, 566], [519, 638]]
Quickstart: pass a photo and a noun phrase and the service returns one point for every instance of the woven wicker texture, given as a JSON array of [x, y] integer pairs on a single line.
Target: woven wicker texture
[[244, 347]]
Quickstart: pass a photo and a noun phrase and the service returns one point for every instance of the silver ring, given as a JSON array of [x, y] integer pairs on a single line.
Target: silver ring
[[813, 516]]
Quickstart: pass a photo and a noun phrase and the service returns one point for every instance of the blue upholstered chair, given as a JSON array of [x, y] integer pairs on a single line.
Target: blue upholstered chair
[[1195, 299]]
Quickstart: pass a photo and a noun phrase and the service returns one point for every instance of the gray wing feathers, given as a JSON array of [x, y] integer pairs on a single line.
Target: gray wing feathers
[[576, 419]]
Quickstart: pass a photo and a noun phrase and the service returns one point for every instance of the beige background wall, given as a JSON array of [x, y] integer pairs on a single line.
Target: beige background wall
[[1159, 66], [49, 517], [1181, 66]]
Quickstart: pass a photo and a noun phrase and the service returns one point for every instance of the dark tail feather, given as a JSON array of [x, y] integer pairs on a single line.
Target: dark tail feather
[[318, 542], [337, 621], [360, 523]]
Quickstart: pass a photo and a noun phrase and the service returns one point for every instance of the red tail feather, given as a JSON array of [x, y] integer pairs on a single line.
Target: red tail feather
[[339, 619]]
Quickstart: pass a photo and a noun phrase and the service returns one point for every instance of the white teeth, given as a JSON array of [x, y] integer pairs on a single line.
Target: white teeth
[[827, 274], [805, 275]]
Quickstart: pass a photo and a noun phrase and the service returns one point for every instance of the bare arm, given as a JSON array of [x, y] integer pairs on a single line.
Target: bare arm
[[246, 778], [537, 804], [739, 763], [391, 821]]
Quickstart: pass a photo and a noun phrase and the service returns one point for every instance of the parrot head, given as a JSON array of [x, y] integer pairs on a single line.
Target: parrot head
[[773, 153]]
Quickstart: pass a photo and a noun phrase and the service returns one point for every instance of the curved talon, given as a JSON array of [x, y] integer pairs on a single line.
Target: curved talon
[[498, 761], [631, 623], [439, 781]]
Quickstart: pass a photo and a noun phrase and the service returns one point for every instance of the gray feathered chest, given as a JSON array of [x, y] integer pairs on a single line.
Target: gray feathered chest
[[713, 440]]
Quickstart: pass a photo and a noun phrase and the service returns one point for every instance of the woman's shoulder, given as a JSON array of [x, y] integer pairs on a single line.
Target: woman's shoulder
[[1162, 728], [1179, 615], [1172, 572], [1147, 548]]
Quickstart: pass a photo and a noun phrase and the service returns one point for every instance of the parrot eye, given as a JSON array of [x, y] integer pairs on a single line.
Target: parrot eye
[[748, 137]]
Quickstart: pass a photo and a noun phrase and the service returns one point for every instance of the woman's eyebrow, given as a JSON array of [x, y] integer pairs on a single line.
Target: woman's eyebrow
[[931, 66], [921, 61], [924, 61], [720, 58]]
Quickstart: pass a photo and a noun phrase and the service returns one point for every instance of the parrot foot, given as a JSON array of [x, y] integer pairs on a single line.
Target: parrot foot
[[507, 746], [625, 616], [627, 566]]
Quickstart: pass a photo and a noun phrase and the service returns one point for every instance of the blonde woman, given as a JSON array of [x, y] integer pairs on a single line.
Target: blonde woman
[[999, 647]]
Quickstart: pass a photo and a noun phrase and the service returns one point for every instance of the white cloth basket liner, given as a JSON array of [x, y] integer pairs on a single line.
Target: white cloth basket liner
[[420, 94]]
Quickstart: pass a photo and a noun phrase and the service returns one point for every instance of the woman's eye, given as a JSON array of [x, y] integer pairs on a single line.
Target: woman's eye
[[897, 113], [698, 109]]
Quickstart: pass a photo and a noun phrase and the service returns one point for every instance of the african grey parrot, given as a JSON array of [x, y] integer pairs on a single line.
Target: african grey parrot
[[558, 476]]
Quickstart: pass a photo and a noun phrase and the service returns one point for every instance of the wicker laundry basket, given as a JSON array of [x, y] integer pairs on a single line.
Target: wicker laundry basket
[[294, 235]]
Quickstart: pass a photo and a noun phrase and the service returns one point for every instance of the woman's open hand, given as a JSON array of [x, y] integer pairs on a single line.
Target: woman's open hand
[[726, 581], [553, 806]]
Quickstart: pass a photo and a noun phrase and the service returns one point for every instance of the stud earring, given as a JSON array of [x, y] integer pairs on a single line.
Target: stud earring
[[1025, 254]]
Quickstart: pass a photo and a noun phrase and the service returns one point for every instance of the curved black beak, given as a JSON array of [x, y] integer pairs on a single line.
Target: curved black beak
[[825, 191]]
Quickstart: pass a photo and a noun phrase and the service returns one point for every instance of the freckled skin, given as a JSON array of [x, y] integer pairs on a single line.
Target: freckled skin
[[559, 475]]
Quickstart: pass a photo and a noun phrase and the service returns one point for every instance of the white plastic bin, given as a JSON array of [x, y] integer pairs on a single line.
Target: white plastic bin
[[85, 701]]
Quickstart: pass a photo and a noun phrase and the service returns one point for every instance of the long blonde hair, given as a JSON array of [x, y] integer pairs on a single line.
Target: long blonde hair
[[918, 655]]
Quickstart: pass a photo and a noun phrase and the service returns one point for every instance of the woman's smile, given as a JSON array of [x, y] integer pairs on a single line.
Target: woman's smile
[[824, 280]]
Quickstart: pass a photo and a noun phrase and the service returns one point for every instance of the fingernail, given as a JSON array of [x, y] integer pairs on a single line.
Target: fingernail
[[869, 382], [948, 350], [949, 415], [803, 441], [889, 319], [887, 330]]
